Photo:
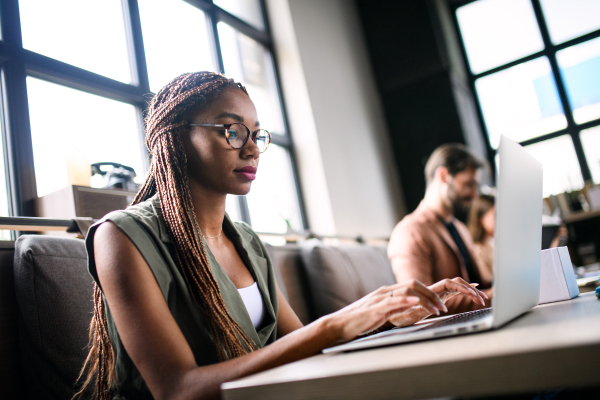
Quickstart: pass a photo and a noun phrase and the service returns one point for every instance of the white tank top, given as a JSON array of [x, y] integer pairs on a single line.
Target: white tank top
[[254, 303]]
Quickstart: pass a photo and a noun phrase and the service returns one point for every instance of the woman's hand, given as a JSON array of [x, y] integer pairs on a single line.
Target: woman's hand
[[376, 308], [445, 290]]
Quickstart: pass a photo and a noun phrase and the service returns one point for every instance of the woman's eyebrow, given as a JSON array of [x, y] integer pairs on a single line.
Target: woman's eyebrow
[[229, 115]]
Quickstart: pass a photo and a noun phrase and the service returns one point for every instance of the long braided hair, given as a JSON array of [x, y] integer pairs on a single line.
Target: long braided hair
[[168, 177]]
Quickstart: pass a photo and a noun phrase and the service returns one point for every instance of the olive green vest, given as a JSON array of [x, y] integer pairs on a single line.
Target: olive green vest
[[144, 226]]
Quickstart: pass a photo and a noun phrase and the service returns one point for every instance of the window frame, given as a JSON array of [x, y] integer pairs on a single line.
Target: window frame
[[17, 63], [573, 129]]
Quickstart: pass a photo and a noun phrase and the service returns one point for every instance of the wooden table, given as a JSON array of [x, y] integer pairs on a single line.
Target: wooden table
[[555, 345]]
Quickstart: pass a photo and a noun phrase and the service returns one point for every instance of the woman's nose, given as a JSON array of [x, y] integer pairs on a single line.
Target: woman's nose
[[250, 149]]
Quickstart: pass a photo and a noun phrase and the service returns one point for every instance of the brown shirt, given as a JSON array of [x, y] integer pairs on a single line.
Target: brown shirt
[[485, 256], [421, 248]]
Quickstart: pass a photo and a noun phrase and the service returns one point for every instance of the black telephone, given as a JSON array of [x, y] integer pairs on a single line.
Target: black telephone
[[118, 177]]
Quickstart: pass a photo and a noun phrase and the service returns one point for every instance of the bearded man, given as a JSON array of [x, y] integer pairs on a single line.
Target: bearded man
[[430, 244]]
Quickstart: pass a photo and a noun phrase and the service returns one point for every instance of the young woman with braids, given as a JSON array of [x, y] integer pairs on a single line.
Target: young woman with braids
[[185, 298]]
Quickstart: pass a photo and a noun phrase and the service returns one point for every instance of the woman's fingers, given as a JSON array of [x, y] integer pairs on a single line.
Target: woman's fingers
[[430, 299], [481, 292]]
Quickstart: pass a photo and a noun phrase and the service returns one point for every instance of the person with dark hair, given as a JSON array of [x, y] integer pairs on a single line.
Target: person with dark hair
[[185, 299], [430, 243], [481, 223]]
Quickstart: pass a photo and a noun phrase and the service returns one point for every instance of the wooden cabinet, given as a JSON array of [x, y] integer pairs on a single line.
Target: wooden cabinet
[[81, 201]]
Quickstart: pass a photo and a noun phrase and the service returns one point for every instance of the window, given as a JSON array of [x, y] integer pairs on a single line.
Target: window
[[77, 76], [535, 68]]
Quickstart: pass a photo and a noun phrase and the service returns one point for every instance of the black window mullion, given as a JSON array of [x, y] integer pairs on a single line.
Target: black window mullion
[[137, 57], [52, 70], [213, 20], [491, 152], [137, 54], [287, 137], [21, 186], [562, 93], [242, 26]]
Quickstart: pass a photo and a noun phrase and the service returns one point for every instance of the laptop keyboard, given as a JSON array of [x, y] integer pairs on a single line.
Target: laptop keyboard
[[459, 319]]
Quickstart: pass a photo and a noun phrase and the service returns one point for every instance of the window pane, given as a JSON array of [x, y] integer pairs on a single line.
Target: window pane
[[87, 34], [248, 62], [273, 200], [561, 168], [590, 139], [247, 10], [67, 123], [580, 68], [496, 32], [520, 102], [232, 207], [568, 19], [175, 40]]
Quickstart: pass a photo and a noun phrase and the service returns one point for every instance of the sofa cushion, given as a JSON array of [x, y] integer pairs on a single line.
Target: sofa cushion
[[54, 292], [340, 275], [292, 279]]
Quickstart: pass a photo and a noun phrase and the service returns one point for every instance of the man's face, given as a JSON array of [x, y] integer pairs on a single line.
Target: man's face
[[462, 189]]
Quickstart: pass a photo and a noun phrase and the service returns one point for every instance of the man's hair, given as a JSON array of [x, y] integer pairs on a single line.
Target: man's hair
[[455, 157]]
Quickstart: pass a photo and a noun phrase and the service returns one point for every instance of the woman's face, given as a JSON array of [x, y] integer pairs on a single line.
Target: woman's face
[[488, 222], [212, 164]]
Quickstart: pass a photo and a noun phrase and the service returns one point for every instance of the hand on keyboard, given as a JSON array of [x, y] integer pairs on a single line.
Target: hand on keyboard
[[445, 289]]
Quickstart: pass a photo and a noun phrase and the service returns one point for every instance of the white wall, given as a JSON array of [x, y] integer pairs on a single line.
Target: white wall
[[346, 168]]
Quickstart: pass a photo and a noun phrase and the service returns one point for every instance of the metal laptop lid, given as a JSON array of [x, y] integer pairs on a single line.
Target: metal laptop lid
[[518, 233]]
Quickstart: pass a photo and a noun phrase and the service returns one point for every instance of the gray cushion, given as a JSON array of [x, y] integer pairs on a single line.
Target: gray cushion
[[340, 275], [54, 292], [292, 279]]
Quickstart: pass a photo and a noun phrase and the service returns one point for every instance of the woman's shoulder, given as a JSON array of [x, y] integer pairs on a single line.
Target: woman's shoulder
[[145, 215]]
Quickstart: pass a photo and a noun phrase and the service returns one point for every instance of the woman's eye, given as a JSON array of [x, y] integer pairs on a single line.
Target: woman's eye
[[231, 134]]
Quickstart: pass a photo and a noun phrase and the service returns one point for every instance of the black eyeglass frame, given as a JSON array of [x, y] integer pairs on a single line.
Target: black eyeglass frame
[[248, 131]]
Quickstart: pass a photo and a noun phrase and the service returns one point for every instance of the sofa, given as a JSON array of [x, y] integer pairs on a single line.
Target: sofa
[[46, 302]]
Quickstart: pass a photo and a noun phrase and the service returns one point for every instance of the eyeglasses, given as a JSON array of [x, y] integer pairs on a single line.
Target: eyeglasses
[[237, 135]]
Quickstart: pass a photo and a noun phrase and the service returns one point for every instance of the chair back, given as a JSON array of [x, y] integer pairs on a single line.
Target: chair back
[[54, 293]]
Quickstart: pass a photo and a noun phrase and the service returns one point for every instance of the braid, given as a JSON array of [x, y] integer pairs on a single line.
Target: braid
[[168, 177]]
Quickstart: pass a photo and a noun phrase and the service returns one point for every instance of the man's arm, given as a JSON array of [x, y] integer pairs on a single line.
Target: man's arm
[[410, 256]]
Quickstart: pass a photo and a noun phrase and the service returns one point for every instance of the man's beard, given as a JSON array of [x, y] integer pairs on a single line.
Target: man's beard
[[460, 205]]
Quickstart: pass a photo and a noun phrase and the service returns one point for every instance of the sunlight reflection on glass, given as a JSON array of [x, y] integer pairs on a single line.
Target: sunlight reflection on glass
[[273, 200], [175, 40], [248, 10], [232, 207], [248, 62], [568, 19], [496, 32], [520, 102], [87, 34], [580, 69], [64, 121], [590, 140], [559, 160]]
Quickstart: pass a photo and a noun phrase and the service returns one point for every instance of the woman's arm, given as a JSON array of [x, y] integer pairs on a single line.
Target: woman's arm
[[287, 320], [159, 350]]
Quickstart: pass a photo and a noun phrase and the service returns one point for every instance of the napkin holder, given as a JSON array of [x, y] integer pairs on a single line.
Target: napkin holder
[[558, 280]]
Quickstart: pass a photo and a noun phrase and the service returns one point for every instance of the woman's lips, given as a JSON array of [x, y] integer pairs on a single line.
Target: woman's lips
[[248, 172]]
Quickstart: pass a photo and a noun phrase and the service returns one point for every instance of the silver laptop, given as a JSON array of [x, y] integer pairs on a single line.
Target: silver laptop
[[517, 256]]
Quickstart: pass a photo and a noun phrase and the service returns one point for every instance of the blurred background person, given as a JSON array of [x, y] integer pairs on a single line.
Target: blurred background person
[[431, 244], [481, 224]]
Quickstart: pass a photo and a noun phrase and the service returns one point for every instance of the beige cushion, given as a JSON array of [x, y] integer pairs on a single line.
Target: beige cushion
[[340, 275]]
